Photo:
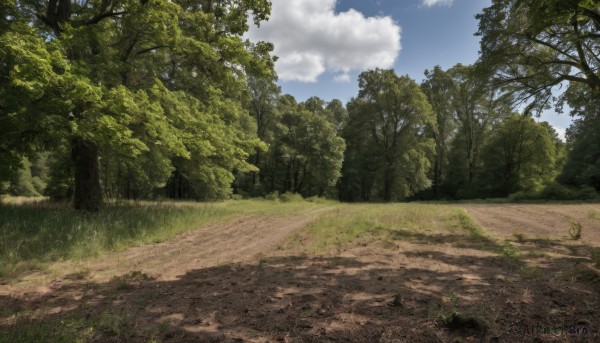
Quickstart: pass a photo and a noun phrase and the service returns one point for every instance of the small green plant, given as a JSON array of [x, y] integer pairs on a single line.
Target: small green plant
[[307, 313], [261, 265], [164, 326], [594, 214], [509, 252], [533, 273], [575, 230]]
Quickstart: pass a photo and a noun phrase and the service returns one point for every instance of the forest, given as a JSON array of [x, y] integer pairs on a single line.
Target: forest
[[130, 99]]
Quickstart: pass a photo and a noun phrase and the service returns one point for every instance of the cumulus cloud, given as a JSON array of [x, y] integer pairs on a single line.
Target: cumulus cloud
[[431, 3], [310, 39]]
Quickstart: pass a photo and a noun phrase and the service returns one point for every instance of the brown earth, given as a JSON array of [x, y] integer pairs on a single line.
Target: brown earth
[[235, 282]]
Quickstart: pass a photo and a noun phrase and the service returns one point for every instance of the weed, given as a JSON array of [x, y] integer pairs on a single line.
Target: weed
[[536, 254], [575, 230], [533, 273], [261, 265], [129, 281], [164, 326], [453, 318], [307, 313], [509, 252]]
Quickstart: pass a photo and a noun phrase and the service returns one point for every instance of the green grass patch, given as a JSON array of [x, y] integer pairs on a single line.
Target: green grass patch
[[34, 234], [348, 223], [594, 214], [27, 330]]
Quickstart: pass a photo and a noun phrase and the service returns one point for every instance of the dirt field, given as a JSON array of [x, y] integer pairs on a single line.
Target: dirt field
[[256, 279]]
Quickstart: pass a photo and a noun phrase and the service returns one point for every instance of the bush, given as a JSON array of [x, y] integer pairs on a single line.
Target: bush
[[290, 197], [272, 196], [586, 193], [316, 199], [556, 191]]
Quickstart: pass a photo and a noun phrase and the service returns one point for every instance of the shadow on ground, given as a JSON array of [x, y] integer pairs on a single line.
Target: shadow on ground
[[305, 299]]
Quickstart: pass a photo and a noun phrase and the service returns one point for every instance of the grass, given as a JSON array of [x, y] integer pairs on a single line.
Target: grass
[[33, 234], [386, 223], [349, 222], [594, 214]]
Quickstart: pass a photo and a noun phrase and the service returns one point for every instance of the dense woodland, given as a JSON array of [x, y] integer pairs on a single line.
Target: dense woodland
[[146, 99]]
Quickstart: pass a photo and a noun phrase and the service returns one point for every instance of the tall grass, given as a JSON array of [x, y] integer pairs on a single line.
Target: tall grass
[[37, 233]]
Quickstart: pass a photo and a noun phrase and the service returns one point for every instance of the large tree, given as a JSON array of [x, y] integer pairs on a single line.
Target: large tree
[[477, 107], [154, 79], [389, 118], [440, 89], [536, 45], [519, 156], [305, 154]]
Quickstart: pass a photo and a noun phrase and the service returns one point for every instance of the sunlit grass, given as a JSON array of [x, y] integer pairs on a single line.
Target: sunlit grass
[[33, 234], [337, 228]]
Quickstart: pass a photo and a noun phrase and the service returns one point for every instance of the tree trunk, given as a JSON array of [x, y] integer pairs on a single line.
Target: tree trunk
[[436, 179], [256, 162], [88, 194], [387, 184]]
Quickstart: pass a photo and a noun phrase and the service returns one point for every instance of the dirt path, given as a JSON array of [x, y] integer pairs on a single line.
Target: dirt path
[[443, 285], [241, 240], [539, 221]]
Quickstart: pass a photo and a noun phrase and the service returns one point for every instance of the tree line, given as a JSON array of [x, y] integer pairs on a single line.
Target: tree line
[[142, 99]]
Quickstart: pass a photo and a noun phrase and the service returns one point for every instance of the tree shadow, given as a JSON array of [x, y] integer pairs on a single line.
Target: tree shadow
[[308, 299]]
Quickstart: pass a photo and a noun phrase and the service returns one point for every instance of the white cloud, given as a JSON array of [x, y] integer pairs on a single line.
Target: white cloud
[[431, 3], [310, 39], [562, 133], [344, 77]]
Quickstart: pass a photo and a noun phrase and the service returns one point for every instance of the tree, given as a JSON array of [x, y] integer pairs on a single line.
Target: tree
[[519, 156], [262, 102], [390, 115], [155, 80], [306, 154], [477, 108], [337, 114], [536, 45], [439, 87]]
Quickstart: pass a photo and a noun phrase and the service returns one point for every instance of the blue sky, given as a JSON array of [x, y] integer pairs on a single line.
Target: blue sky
[[325, 44]]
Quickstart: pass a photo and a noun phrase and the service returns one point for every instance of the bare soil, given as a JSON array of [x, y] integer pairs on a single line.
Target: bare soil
[[235, 282]]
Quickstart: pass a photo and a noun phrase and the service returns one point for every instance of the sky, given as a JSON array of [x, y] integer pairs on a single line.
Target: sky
[[323, 45]]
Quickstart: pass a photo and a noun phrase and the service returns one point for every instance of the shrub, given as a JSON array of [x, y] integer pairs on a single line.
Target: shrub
[[290, 197], [272, 196], [575, 230]]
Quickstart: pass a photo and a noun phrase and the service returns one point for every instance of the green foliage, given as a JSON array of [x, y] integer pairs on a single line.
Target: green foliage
[[556, 191], [388, 155], [305, 154], [440, 87], [535, 45], [154, 89], [582, 167], [519, 155]]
